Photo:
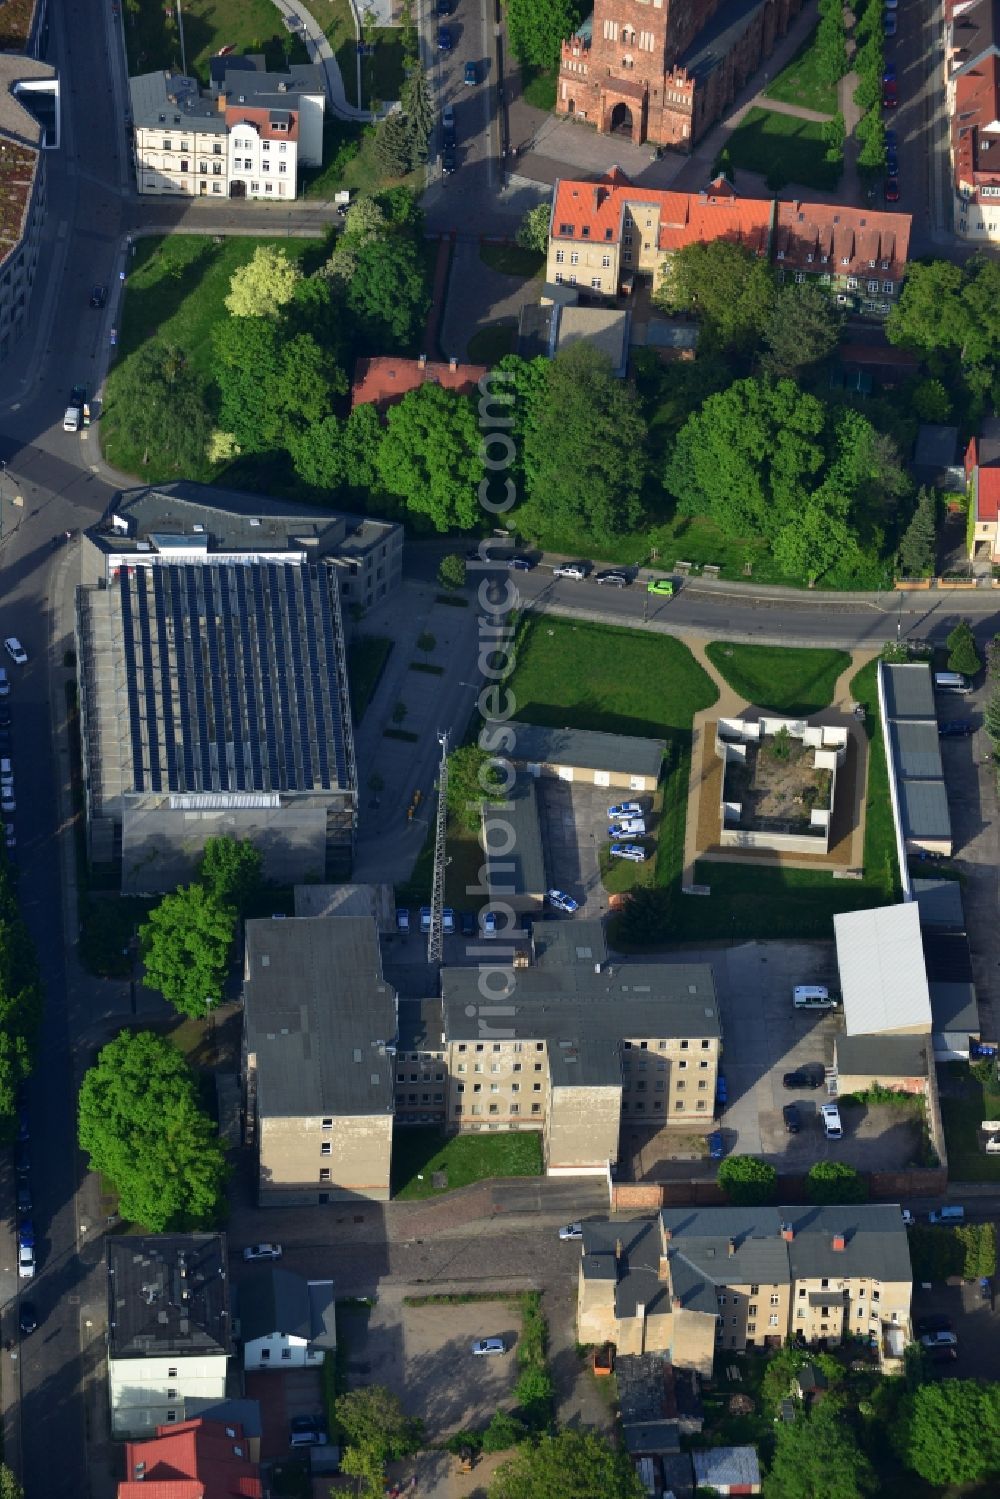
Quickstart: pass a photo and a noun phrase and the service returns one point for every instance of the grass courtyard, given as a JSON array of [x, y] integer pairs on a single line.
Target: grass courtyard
[[783, 148], [798, 682], [417, 1152], [152, 39], [801, 82]]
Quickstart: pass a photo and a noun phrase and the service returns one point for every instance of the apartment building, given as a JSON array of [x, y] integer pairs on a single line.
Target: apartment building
[[29, 127], [169, 1327], [244, 137], [603, 233], [972, 97], [319, 1030], [200, 1459], [694, 1280]]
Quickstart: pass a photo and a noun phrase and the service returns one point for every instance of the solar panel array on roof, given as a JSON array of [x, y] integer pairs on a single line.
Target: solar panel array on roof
[[215, 664]]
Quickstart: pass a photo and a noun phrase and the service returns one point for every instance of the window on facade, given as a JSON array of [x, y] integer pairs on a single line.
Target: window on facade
[[217, 187], [495, 1067], [752, 1309], [775, 1299], [772, 1321], [324, 1173], [515, 1087], [681, 1084], [605, 261], [477, 1087], [477, 1108], [326, 1148], [286, 1353], [679, 1104], [574, 258], [572, 280], [477, 1067], [517, 1067], [457, 1109], [515, 1108], [684, 1047], [171, 1373], [536, 1108], [559, 277], [538, 1066], [595, 282]]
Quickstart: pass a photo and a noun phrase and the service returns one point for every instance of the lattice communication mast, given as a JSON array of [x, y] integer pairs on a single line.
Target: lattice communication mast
[[435, 937]]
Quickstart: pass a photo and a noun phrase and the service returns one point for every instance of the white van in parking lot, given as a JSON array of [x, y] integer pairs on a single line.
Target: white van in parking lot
[[812, 997], [830, 1116], [951, 681]]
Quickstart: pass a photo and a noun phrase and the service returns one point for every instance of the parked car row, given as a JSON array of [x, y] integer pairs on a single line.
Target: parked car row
[[26, 1263], [8, 799]]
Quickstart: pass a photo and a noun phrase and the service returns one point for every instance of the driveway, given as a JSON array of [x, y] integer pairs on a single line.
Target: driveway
[[283, 1394], [479, 296], [973, 1320], [574, 820]]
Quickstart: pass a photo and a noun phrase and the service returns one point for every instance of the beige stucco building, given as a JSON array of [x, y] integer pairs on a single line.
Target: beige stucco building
[[319, 1027], [696, 1279], [618, 761]]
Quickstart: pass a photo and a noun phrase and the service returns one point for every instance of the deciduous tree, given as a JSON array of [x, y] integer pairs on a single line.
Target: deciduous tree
[[318, 453], [376, 1432], [533, 230], [931, 312], [803, 328], [271, 384], [747, 1180], [451, 571], [585, 447], [429, 455], [232, 870], [949, 1431], [142, 1126], [264, 285], [536, 29], [160, 404], [185, 947], [817, 1457], [834, 1182], [472, 780], [729, 288], [388, 293], [574, 1461]]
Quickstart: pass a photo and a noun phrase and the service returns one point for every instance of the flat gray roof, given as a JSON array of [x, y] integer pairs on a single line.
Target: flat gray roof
[[923, 807], [909, 692], [954, 1007], [147, 1315], [318, 1015], [879, 1057], [520, 868], [940, 904], [936, 446], [536, 744], [916, 748], [882, 973]]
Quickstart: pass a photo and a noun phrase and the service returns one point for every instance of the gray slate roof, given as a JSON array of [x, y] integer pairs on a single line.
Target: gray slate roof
[[936, 446], [147, 1275], [917, 749], [174, 100], [882, 973], [924, 809], [583, 1015], [940, 904], [516, 829], [153, 105], [726, 1468], [881, 1057], [908, 690], [273, 1300], [954, 1009], [315, 1008], [585, 749]]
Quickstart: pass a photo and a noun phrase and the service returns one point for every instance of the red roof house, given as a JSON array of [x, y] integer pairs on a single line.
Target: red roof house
[[982, 474], [192, 1460], [383, 381]]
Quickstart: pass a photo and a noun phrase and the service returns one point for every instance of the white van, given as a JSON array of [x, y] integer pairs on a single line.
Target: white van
[[812, 997], [830, 1115], [947, 1215], [71, 421], [951, 681]]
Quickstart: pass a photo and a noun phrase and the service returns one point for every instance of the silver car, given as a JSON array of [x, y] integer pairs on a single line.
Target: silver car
[[487, 1346]]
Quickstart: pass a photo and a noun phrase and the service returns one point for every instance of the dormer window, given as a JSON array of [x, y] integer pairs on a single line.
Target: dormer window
[[586, 231], [565, 228], [845, 260], [810, 259], [871, 265], [781, 254]]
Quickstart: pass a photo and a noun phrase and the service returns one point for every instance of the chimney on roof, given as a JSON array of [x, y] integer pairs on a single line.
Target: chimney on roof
[[839, 1242], [600, 193], [640, 1313], [732, 1248], [522, 958], [619, 1249], [422, 361], [676, 1304], [787, 1232], [453, 363]]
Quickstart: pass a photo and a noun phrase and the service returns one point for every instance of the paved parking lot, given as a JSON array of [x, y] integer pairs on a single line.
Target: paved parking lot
[[575, 829], [423, 1354], [764, 1037], [973, 1320], [282, 1395]]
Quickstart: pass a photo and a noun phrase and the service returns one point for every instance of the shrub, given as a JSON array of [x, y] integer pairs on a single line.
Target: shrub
[[748, 1181]]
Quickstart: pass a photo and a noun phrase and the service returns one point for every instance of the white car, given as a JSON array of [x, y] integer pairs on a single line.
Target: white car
[[402, 920], [577, 570], [562, 901], [625, 809], [487, 1346], [15, 650], [939, 1340], [830, 1116], [4, 682], [25, 1261], [262, 1252], [7, 802], [630, 851], [448, 921], [630, 827], [571, 1231]]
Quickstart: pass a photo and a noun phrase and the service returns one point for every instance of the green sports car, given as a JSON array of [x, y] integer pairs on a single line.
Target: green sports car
[[663, 586]]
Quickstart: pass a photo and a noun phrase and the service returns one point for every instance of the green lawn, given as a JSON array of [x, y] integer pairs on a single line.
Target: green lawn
[[175, 291], [798, 682], [492, 343], [800, 83], [784, 149], [962, 1116], [366, 658], [538, 89], [418, 1152], [349, 162], [511, 260], [152, 39]]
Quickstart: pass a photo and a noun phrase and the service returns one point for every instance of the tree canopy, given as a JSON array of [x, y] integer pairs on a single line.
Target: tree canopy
[[918, 544], [949, 1431], [585, 446], [161, 403], [376, 1432], [803, 327], [232, 871], [747, 1180], [574, 1461], [263, 286], [730, 288], [536, 29], [429, 455], [143, 1128], [963, 654], [817, 1456], [835, 1181], [272, 384], [20, 998], [185, 947], [533, 230]]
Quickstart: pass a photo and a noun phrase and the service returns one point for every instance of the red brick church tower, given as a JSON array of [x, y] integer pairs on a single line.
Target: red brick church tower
[[665, 70]]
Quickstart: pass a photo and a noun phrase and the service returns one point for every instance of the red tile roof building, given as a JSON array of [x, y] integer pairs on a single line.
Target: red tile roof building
[[982, 476], [193, 1460], [973, 99], [601, 233], [665, 73], [383, 381]]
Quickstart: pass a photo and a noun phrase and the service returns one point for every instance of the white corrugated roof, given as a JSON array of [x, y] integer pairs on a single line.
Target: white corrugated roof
[[882, 973]]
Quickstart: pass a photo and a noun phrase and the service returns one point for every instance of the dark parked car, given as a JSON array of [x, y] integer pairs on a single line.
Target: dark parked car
[[943, 1355], [444, 39], [468, 922], [27, 1318], [721, 1089], [471, 73], [614, 578], [891, 190], [716, 1145], [521, 564], [23, 1198], [803, 1077], [99, 296], [449, 159], [956, 728], [792, 1117]]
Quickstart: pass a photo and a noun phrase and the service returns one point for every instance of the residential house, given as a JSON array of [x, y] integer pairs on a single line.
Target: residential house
[[549, 327], [319, 1028], [170, 1330], [859, 253], [727, 1470], [617, 761], [383, 381], [198, 1459], [972, 95], [286, 1321], [244, 137], [982, 482], [694, 1280], [666, 73]]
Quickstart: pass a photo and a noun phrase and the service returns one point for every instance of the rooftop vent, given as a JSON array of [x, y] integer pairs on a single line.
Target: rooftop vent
[[839, 1243]]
